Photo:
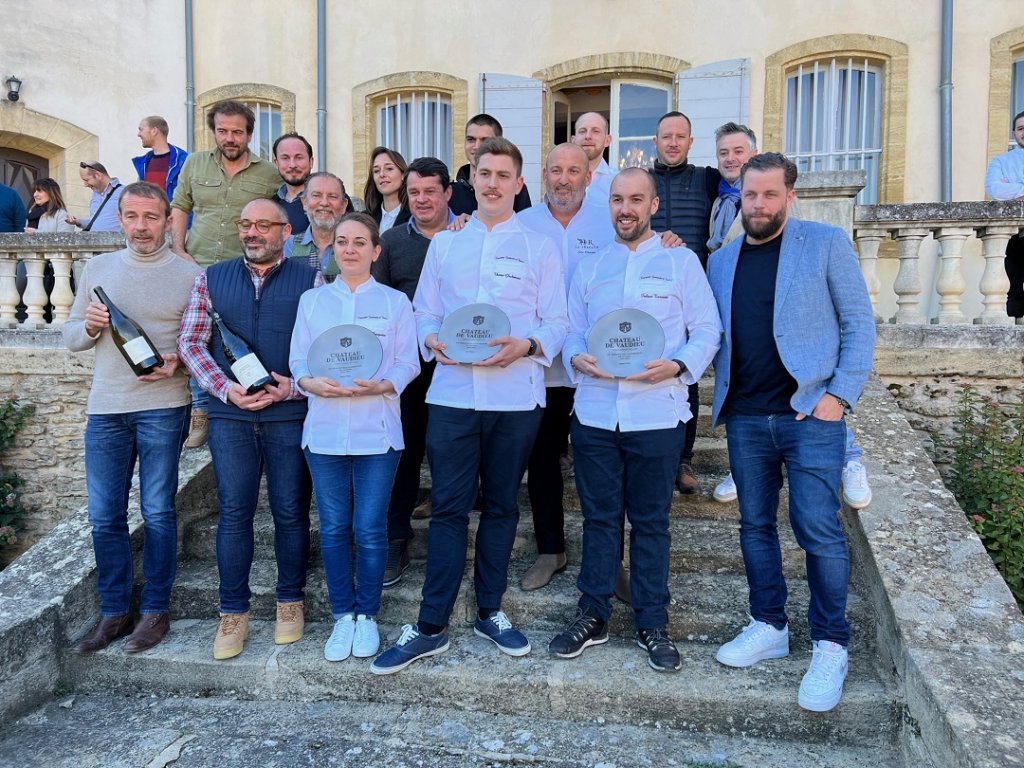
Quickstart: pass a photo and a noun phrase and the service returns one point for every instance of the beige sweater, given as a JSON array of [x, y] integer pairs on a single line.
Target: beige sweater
[[153, 291]]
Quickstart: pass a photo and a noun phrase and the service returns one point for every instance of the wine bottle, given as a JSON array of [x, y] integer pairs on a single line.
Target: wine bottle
[[248, 369], [128, 336]]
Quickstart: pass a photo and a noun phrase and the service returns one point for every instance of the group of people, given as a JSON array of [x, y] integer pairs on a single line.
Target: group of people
[[790, 363]]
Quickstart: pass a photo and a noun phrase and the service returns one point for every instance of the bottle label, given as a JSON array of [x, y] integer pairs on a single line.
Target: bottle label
[[248, 370], [138, 349]]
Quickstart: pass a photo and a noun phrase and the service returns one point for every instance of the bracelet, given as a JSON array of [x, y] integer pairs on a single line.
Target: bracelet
[[572, 362]]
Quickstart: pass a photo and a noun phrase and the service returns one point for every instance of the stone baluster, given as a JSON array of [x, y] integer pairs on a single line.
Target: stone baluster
[[9, 295], [994, 282], [868, 242], [950, 283], [34, 298], [908, 280], [62, 297]]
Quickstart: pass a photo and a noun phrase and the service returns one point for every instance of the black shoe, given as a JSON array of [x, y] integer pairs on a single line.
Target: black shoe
[[584, 631], [397, 563], [661, 651]]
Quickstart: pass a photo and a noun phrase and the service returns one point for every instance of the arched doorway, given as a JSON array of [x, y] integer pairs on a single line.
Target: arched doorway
[[20, 170]]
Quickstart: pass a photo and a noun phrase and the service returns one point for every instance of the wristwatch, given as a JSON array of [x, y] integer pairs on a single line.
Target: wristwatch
[[682, 367], [533, 347]]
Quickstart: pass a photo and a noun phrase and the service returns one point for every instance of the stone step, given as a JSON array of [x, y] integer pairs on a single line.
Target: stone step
[[612, 681], [149, 730], [707, 544], [711, 608]]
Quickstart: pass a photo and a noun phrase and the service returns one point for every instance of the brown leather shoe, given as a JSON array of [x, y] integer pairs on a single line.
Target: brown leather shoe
[[543, 570], [148, 632], [105, 631], [422, 511], [686, 479]]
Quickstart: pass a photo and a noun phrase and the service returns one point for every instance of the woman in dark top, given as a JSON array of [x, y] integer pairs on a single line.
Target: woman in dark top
[[384, 193]]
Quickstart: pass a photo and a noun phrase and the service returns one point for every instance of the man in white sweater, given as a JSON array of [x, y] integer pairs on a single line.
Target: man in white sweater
[[131, 417]]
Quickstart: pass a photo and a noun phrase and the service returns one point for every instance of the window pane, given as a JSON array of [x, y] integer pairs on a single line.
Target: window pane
[[266, 129], [417, 124], [640, 106], [637, 152], [1017, 97]]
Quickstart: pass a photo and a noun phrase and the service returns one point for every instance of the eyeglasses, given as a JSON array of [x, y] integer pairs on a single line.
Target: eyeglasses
[[262, 226]]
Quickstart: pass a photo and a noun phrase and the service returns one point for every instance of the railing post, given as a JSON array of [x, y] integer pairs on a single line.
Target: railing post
[[62, 297], [994, 282], [908, 280], [950, 284], [9, 295], [34, 298], [868, 242]]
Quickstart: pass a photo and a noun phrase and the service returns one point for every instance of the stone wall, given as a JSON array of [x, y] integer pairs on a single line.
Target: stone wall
[[924, 367], [48, 453]]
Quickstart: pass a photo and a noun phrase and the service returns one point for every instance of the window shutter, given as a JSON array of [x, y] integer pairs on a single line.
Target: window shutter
[[517, 103], [710, 95]]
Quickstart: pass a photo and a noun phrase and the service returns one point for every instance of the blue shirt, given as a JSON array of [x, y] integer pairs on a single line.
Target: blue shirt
[[12, 211], [107, 220], [1004, 179]]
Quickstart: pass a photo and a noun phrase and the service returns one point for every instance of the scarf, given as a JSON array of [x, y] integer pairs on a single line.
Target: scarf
[[725, 213]]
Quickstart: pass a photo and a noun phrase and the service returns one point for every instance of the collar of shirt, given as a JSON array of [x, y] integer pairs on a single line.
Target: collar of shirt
[[651, 243], [260, 273], [414, 228], [340, 286], [511, 224], [603, 169], [282, 192], [250, 159]]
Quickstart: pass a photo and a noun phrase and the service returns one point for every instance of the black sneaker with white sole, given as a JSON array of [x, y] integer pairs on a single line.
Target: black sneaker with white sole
[[584, 631], [397, 562], [661, 651]]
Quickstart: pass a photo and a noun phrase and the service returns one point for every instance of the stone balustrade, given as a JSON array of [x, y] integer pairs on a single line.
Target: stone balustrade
[[25, 280], [951, 227]]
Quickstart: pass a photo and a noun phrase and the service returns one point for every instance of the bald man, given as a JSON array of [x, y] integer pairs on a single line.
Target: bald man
[[593, 138]]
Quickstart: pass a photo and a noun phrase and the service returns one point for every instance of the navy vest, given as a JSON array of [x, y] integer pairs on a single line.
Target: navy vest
[[685, 208], [266, 324]]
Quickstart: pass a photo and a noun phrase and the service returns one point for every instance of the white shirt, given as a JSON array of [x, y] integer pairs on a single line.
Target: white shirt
[[513, 268], [387, 218], [356, 426], [588, 232], [1004, 179], [667, 283], [600, 187]]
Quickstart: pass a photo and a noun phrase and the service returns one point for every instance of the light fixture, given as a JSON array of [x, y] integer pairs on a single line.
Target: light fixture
[[13, 87]]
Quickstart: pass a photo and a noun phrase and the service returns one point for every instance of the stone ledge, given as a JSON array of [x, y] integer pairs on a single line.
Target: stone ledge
[[999, 212], [944, 615]]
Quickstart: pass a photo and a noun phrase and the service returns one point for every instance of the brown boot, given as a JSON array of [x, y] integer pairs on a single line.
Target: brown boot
[[422, 511], [291, 622], [198, 431], [148, 632], [231, 634], [105, 631], [622, 584], [540, 572], [686, 479]]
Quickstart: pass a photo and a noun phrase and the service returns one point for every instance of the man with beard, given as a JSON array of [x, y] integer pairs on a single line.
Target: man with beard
[[293, 158], [627, 432], [214, 186], [593, 138], [403, 251], [325, 203], [131, 417], [256, 297], [795, 356]]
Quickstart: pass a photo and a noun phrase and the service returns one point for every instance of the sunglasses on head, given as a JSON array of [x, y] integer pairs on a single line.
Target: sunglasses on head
[[90, 166]]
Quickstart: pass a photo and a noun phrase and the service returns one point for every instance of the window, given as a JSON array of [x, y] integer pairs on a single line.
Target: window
[[833, 119], [267, 128], [416, 124], [635, 110], [1016, 93]]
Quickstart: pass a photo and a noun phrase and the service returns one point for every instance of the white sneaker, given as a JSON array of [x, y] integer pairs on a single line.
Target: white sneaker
[[367, 638], [822, 686], [758, 641], [339, 645], [856, 491], [725, 491]]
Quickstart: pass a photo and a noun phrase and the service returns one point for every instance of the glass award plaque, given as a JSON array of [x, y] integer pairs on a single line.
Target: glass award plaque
[[467, 331], [345, 353], [623, 340]]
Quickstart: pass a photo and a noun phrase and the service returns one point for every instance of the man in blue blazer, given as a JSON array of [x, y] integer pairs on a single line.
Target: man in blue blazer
[[795, 356]]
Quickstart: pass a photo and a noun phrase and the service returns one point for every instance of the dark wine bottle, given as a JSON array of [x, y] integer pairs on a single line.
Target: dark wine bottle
[[248, 369], [128, 336]]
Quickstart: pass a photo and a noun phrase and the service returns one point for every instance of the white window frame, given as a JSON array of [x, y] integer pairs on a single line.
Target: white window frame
[[613, 116], [833, 155], [264, 110], [428, 137], [1016, 95]]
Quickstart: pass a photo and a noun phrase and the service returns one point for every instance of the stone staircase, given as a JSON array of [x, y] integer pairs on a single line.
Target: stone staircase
[[706, 714]]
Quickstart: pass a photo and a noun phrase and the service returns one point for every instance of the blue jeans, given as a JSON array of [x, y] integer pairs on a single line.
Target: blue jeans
[[813, 452], [113, 441], [853, 451], [200, 397], [241, 450], [352, 495], [635, 471], [462, 446]]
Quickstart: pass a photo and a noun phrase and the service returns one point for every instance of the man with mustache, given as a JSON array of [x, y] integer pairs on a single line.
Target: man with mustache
[[214, 186], [257, 297], [627, 432], [293, 158], [795, 356], [325, 203]]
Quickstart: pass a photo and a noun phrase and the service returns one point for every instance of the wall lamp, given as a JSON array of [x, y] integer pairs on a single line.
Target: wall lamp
[[13, 87]]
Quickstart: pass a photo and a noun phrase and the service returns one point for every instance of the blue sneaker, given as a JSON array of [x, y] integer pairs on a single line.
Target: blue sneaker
[[498, 629], [411, 645]]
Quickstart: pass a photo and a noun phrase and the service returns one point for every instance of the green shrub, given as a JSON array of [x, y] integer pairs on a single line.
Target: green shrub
[[13, 416], [987, 478]]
